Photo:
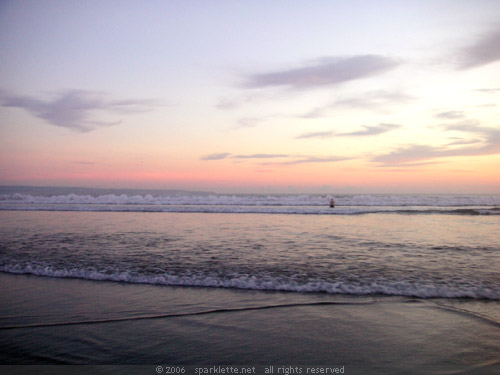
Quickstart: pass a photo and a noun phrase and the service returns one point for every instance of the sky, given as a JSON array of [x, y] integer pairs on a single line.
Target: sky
[[252, 96]]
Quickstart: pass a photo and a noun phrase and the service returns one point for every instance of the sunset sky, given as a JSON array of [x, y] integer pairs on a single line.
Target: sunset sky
[[252, 96]]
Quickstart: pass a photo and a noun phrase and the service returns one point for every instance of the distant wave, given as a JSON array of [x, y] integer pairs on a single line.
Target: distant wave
[[263, 204], [365, 200], [422, 289]]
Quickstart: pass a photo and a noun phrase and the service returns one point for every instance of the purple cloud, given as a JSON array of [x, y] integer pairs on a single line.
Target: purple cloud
[[312, 159], [219, 156], [324, 72], [296, 159], [77, 109], [416, 154], [325, 134], [371, 130], [368, 131], [372, 100], [484, 51]]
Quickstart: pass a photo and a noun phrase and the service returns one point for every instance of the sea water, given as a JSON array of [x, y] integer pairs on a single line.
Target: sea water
[[406, 245]]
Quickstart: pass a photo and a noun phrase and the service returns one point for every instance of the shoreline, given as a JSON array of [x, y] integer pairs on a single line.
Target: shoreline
[[75, 322], [102, 277]]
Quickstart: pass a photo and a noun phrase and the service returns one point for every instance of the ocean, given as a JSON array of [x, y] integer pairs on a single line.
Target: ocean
[[439, 250], [413, 245]]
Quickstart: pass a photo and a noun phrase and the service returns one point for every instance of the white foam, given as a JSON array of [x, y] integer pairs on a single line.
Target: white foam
[[257, 200], [267, 204], [426, 289]]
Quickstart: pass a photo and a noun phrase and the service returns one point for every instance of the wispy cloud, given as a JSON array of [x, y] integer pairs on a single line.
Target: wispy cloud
[[379, 100], [367, 131], [294, 159], [489, 91], [260, 156], [232, 103], [218, 156], [491, 137], [371, 130], [416, 154], [411, 154], [250, 122], [371, 99], [460, 141], [77, 110], [325, 134], [408, 165], [325, 71], [227, 155], [484, 51], [313, 159], [450, 115]]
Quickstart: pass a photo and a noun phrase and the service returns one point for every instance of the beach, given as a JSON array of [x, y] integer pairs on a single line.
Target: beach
[[70, 321], [409, 290]]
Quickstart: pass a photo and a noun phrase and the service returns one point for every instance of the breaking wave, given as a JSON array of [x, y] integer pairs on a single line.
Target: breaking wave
[[279, 204], [421, 289]]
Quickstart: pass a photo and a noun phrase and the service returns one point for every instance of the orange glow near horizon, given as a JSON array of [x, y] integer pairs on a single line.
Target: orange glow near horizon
[[247, 177]]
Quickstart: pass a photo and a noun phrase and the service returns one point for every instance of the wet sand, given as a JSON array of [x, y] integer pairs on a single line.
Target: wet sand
[[74, 322]]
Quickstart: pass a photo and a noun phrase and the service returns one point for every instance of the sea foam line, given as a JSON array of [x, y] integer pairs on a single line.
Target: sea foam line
[[383, 287], [257, 200]]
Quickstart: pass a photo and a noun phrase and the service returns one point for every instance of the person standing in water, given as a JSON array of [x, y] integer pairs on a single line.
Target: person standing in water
[[332, 203]]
